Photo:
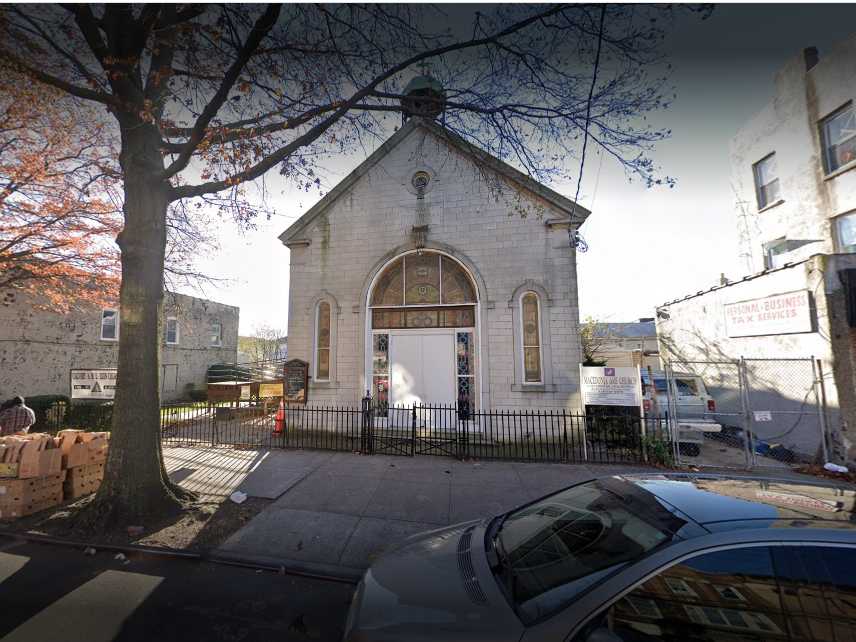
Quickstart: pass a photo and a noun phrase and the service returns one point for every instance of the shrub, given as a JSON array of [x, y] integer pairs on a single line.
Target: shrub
[[90, 416], [50, 412]]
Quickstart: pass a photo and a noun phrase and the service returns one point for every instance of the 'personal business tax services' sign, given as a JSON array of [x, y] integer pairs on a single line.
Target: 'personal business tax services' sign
[[787, 313]]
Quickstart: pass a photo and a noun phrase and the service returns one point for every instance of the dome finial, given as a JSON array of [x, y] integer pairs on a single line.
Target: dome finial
[[423, 96]]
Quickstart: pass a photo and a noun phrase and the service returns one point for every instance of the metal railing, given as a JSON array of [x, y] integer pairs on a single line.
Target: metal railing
[[550, 435]]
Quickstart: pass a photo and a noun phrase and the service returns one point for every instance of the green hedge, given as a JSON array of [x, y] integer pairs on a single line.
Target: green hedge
[[50, 412]]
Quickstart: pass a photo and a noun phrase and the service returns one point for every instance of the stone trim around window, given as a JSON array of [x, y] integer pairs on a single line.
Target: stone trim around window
[[330, 381], [545, 302]]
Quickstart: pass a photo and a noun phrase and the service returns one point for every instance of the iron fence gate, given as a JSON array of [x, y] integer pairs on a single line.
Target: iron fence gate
[[746, 413], [462, 432]]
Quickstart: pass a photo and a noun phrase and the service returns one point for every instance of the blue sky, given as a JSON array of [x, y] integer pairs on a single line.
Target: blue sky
[[647, 246]]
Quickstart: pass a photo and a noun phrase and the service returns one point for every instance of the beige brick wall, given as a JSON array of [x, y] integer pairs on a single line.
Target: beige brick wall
[[371, 223]]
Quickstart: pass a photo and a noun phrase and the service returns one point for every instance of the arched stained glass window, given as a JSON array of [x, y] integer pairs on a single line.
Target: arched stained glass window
[[390, 286], [322, 342], [457, 287], [530, 314]]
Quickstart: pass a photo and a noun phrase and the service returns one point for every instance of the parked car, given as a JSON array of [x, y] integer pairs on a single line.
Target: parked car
[[692, 407], [649, 557]]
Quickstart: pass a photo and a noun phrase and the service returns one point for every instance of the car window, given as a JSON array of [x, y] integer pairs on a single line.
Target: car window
[[686, 386], [818, 591], [555, 548], [724, 596]]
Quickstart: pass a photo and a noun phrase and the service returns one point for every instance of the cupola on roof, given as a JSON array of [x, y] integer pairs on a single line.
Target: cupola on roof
[[423, 96]]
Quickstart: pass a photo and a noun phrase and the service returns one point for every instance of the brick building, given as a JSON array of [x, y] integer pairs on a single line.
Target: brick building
[[40, 348], [416, 279]]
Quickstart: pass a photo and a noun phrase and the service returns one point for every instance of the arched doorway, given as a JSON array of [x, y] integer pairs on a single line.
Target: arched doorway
[[422, 319]]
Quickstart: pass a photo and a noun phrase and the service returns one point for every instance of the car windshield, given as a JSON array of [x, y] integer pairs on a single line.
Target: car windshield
[[553, 549]]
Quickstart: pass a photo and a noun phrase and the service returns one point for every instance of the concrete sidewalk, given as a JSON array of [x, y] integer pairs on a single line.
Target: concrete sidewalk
[[349, 508]]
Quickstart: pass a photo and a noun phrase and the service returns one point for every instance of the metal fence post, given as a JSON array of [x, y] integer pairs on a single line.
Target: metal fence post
[[821, 414], [212, 410], [565, 453], [413, 430], [747, 413], [365, 447], [466, 440]]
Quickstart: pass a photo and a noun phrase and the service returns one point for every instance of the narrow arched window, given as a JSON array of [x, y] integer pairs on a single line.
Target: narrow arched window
[[322, 342], [530, 314]]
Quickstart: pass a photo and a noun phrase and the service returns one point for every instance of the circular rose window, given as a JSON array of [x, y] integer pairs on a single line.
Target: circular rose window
[[420, 180]]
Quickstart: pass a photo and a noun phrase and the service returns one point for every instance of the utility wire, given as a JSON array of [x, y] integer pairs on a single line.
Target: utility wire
[[576, 238]]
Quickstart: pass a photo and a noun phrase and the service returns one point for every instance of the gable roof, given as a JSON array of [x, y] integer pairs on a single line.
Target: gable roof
[[565, 205]]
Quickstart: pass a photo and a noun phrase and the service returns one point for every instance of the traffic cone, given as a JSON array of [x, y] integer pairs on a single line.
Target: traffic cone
[[279, 419]]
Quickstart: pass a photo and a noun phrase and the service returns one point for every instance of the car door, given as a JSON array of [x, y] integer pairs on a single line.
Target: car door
[[818, 591], [728, 595]]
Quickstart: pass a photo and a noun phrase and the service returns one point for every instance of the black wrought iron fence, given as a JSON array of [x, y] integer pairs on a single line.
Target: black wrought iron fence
[[550, 435]]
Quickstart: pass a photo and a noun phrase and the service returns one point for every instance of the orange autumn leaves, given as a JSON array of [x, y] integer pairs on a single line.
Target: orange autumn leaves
[[58, 216]]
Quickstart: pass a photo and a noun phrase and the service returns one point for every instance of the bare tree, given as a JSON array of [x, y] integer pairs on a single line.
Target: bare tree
[[208, 97], [593, 338], [266, 343]]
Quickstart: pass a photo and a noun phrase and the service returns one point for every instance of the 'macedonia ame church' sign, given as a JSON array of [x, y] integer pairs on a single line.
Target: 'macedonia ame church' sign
[[787, 313]]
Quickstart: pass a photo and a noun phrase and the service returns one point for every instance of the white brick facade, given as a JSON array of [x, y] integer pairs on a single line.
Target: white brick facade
[[339, 246]]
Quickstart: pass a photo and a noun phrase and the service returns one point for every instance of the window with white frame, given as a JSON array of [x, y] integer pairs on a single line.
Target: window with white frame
[[109, 325], [766, 181], [530, 327], [838, 136], [845, 228], [171, 331], [215, 335], [322, 342]]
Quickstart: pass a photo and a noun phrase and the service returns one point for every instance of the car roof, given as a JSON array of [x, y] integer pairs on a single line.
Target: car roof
[[719, 502]]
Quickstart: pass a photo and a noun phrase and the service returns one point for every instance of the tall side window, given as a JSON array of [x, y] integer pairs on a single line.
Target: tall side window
[[838, 135], [109, 325], [380, 372], [530, 314], [171, 331], [766, 181], [322, 342], [215, 338]]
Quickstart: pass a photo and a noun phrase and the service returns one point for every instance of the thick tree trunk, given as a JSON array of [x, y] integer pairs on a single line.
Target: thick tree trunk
[[136, 490]]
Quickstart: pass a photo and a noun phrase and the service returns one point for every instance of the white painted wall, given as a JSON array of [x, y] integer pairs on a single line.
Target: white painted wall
[[789, 126], [372, 220]]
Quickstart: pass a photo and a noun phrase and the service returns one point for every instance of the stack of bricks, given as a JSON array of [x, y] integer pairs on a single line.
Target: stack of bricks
[[31, 474], [83, 457]]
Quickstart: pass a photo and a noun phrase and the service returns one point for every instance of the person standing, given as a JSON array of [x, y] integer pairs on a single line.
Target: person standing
[[17, 417]]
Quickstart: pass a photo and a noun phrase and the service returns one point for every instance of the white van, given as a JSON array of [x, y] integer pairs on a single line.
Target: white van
[[691, 408]]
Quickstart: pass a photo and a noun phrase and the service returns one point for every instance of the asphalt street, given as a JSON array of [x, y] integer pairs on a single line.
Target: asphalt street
[[55, 593]]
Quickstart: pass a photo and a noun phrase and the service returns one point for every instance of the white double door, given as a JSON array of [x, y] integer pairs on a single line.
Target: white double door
[[422, 367]]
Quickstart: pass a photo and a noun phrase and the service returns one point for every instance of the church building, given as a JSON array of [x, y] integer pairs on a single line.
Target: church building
[[435, 273]]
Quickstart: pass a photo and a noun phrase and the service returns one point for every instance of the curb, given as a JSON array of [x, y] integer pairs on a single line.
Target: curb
[[324, 572]]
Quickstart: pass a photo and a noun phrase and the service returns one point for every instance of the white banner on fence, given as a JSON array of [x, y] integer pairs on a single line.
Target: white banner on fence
[[787, 313], [602, 386], [93, 384]]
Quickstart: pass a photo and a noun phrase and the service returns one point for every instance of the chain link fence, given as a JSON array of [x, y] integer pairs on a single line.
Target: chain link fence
[[747, 413]]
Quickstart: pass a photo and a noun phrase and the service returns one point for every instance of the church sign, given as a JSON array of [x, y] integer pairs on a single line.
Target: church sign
[[296, 378], [787, 313], [93, 384], [610, 386]]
